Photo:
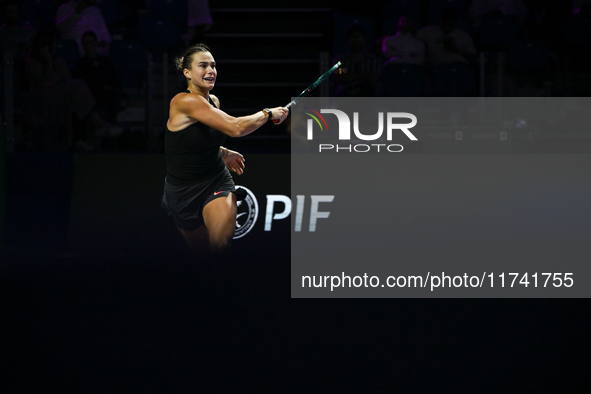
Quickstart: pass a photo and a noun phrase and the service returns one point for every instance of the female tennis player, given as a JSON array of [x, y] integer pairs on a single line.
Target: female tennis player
[[199, 190]]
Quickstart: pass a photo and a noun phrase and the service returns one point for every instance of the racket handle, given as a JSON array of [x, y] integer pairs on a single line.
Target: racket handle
[[288, 106]]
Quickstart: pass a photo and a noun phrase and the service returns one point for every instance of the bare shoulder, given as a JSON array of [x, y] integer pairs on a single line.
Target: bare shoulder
[[215, 100], [188, 103], [184, 98], [186, 109]]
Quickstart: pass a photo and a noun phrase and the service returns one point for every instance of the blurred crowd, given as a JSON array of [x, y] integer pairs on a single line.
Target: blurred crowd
[[75, 62], [68, 59], [466, 48]]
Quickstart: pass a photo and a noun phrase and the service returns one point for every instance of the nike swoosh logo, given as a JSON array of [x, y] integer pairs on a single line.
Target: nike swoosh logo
[[216, 193]]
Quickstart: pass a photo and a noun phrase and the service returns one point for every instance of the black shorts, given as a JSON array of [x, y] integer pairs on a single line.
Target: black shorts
[[184, 204]]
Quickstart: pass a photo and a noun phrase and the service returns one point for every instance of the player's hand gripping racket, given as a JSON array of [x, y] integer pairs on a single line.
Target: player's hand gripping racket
[[310, 88]]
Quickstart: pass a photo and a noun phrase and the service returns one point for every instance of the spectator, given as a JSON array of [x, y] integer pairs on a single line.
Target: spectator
[[54, 97], [14, 37], [403, 47], [581, 6], [360, 70], [445, 43], [508, 7], [77, 16], [99, 74], [199, 20]]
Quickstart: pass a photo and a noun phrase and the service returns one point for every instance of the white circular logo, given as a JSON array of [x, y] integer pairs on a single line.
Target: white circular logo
[[246, 214]]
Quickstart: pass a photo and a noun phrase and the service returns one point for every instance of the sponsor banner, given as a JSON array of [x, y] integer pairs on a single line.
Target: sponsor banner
[[247, 213], [441, 197]]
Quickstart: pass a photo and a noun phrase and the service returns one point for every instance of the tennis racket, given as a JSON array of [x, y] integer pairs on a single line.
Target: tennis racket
[[311, 87]]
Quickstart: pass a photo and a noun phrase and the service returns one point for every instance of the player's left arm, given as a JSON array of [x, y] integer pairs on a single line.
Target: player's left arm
[[233, 160]]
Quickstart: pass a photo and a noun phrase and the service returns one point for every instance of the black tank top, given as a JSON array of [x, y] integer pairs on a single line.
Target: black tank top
[[193, 154]]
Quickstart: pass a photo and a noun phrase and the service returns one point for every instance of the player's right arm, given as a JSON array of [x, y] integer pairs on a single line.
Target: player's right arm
[[186, 109]]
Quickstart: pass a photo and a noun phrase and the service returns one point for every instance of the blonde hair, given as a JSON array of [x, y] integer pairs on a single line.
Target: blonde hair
[[187, 58]]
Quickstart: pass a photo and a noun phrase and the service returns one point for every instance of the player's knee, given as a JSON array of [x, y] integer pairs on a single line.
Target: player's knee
[[221, 244], [222, 238]]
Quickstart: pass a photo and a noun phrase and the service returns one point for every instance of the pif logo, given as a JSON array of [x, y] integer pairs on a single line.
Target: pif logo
[[390, 119], [247, 212]]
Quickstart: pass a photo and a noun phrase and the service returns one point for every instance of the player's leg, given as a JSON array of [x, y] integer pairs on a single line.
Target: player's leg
[[219, 216], [198, 240]]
